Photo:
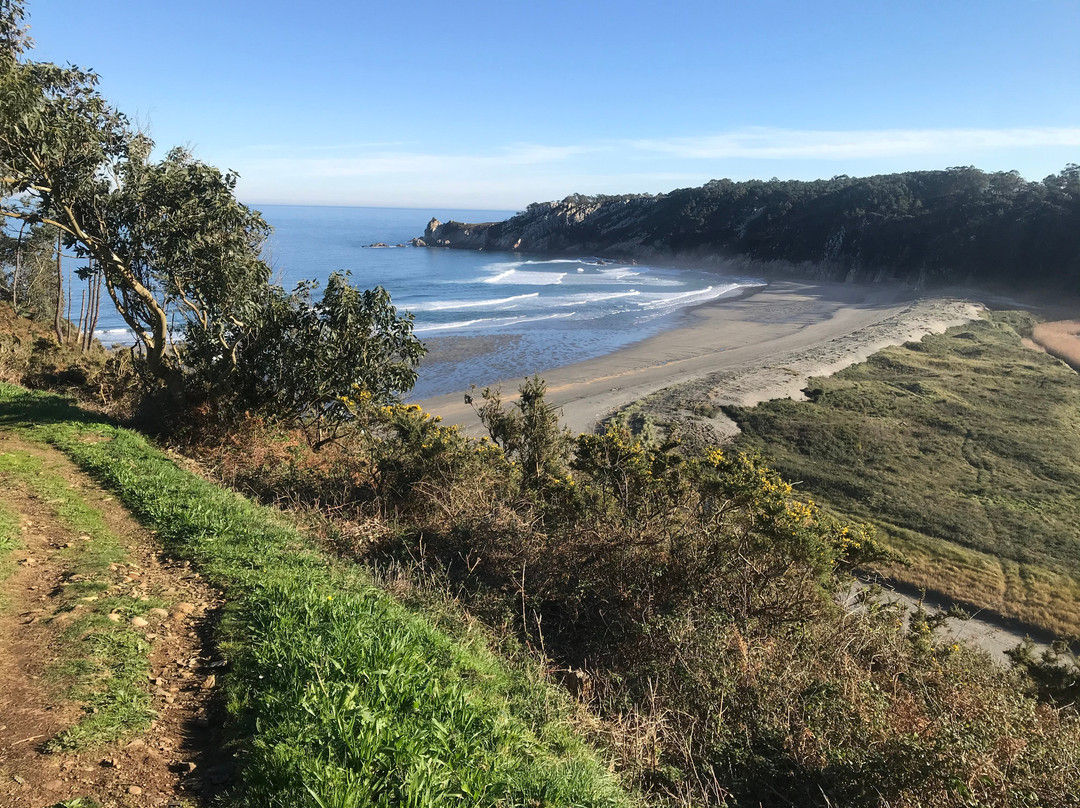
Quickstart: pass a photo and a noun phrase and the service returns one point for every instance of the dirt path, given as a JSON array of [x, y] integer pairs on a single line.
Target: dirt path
[[177, 758]]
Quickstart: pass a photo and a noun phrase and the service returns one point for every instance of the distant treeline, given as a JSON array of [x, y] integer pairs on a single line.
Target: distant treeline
[[960, 224]]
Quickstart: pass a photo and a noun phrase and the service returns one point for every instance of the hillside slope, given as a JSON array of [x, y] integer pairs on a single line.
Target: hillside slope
[[955, 225], [333, 693], [965, 449]]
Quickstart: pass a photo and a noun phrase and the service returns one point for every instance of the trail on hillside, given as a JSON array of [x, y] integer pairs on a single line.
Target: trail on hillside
[[178, 757]]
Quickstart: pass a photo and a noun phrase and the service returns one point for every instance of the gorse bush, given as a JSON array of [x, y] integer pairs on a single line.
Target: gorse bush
[[692, 599]]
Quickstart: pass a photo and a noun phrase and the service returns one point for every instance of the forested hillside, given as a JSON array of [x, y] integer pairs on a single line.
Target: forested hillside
[[956, 225]]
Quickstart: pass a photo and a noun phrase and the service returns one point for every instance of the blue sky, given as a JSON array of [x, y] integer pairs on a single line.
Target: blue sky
[[498, 104]]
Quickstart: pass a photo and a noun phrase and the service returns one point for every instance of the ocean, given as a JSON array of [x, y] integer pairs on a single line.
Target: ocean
[[486, 316]]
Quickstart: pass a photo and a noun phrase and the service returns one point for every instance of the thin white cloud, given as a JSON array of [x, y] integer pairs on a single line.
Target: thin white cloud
[[424, 163], [291, 149], [771, 144], [406, 174]]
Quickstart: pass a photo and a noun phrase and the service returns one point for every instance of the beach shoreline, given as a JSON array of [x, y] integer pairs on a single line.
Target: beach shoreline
[[760, 344]]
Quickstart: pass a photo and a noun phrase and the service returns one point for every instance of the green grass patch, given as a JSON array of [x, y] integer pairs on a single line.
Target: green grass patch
[[104, 664], [964, 448], [338, 696], [9, 543]]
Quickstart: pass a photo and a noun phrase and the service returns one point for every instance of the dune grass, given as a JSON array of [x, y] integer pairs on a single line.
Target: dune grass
[[965, 449], [337, 695]]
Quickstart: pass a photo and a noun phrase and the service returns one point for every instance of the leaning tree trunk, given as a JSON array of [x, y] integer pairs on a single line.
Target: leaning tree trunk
[[58, 315], [18, 269]]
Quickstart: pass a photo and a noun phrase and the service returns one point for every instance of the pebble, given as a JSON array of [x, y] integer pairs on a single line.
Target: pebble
[[159, 612], [139, 622], [134, 790], [211, 680], [114, 617], [185, 607]]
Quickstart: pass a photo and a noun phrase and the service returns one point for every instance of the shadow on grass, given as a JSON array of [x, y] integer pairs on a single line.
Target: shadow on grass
[[20, 407]]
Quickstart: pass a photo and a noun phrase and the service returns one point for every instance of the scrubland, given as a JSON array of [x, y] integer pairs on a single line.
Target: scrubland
[[964, 449]]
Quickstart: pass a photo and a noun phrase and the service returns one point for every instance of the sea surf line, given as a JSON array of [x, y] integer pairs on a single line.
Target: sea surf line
[[547, 312]]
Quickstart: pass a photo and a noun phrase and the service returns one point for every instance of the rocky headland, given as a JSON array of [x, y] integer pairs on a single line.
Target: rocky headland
[[956, 226]]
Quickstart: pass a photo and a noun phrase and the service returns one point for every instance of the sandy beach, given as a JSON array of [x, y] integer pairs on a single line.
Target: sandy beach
[[757, 347]]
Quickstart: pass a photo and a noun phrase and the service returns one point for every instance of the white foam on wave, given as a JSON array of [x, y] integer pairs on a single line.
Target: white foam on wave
[[586, 298], [616, 273], [537, 262], [480, 322], [523, 277], [492, 322], [448, 305], [681, 299]]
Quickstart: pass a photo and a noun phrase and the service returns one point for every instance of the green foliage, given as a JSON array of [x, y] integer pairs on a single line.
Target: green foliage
[[28, 270], [958, 224], [169, 236], [338, 696], [528, 432], [180, 254], [693, 597], [1055, 672], [964, 448], [295, 359]]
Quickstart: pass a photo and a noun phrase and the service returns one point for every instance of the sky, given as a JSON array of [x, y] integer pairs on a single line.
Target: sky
[[493, 105]]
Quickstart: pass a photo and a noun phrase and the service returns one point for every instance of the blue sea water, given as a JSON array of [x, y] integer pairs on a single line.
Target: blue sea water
[[487, 316]]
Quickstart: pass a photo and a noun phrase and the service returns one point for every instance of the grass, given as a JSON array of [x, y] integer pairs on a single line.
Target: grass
[[338, 696], [965, 449], [104, 664], [9, 543]]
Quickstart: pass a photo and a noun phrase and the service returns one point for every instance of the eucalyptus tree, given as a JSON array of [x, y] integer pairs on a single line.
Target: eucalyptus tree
[[176, 249], [180, 255]]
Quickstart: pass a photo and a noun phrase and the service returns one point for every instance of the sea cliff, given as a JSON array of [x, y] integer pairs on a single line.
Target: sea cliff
[[959, 225]]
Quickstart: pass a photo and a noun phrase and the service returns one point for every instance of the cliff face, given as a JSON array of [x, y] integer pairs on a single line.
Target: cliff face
[[957, 225], [573, 225]]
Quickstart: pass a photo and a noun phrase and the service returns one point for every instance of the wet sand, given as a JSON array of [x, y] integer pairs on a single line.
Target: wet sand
[[743, 350]]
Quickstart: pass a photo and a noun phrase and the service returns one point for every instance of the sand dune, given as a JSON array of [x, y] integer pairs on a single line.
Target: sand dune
[[1061, 339]]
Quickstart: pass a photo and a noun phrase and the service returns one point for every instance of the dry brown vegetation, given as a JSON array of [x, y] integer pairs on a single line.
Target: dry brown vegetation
[[686, 598]]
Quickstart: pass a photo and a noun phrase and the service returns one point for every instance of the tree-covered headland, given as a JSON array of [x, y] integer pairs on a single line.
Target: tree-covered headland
[[957, 225]]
